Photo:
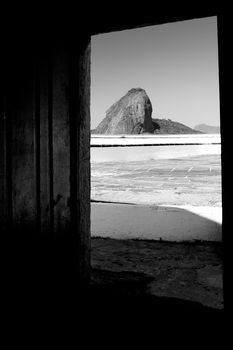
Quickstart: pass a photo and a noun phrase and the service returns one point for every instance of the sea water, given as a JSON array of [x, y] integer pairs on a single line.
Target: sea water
[[157, 175]]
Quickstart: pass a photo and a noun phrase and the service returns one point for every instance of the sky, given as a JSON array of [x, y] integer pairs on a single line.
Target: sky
[[175, 63]]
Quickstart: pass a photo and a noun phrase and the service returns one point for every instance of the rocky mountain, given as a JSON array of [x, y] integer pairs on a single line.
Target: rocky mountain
[[132, 114], [167, 126], [208, 129]]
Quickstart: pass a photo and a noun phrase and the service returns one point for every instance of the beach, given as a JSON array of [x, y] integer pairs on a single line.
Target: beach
[[156, 192]]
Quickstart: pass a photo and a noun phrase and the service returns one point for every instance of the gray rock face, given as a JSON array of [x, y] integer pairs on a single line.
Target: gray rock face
[[130, 115]]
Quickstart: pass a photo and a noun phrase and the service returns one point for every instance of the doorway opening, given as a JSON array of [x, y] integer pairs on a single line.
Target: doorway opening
[[156, 182]]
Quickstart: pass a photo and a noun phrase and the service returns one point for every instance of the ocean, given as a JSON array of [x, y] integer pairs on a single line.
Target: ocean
[[157, 175]]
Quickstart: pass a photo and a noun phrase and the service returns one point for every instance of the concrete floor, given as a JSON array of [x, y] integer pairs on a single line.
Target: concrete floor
[[189, 272]]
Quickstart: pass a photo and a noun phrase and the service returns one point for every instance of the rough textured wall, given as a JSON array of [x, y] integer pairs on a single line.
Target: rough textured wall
[[45, 171], [84, 158]]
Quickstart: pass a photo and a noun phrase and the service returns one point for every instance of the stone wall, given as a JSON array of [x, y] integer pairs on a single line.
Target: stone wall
[[45, 167]]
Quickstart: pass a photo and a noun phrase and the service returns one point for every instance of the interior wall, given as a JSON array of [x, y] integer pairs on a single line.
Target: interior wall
[[45, 160]]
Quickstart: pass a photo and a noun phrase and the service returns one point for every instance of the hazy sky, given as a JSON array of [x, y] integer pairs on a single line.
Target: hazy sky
[[176, 63]]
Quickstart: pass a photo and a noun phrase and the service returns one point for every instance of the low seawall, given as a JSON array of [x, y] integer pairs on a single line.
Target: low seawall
[[169, 223], [105, 148]]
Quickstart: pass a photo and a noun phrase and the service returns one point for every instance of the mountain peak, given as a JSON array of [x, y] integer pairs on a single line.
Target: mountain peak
[[132, 114], [138, 89], [207, 129]]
